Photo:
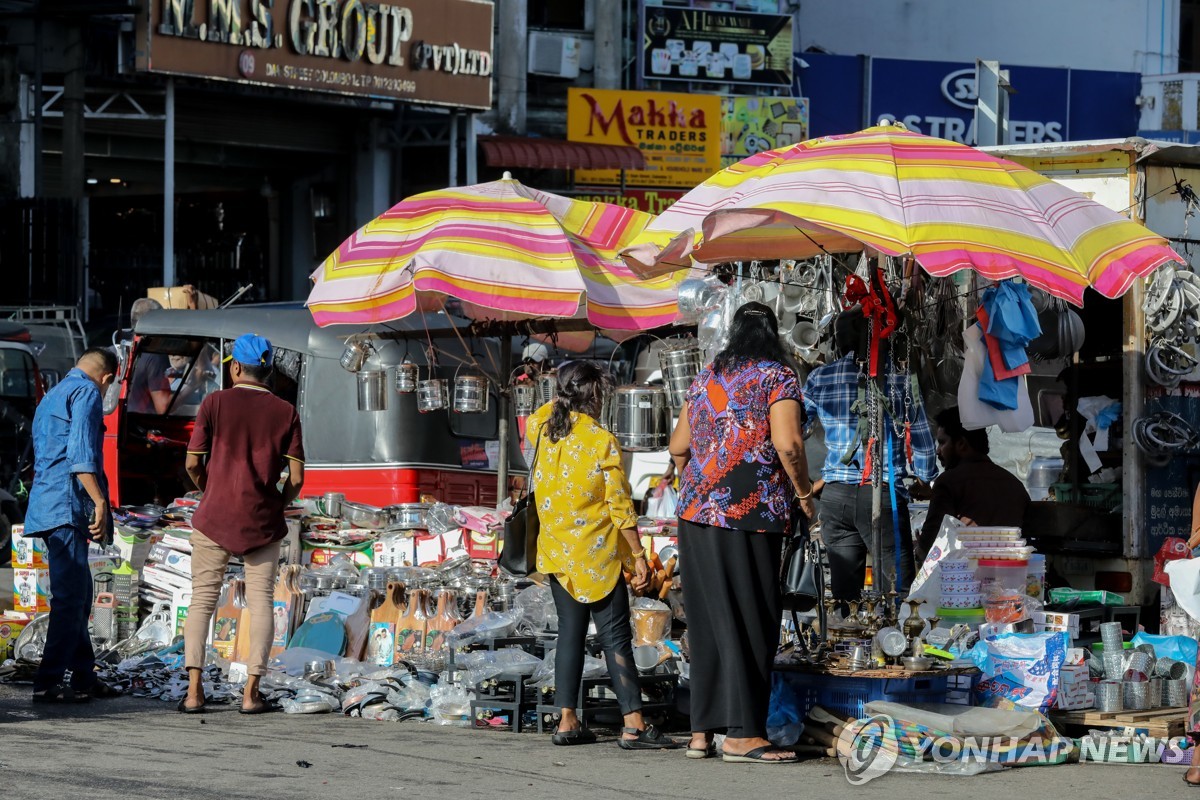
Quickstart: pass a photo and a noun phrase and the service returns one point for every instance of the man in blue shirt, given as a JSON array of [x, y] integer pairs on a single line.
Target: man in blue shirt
[[835, 394], [68, 505]]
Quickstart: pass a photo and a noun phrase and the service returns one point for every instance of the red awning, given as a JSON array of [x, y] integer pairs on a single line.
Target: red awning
[[536, 153]]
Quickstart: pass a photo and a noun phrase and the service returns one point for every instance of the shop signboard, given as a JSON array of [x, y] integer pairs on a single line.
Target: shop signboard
[[938, 98], [429, 51], [732, 47], [678, 134], [654, 201], [750, 125]]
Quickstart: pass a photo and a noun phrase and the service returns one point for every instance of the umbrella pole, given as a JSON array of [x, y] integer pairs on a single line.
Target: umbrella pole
[[505, 411]]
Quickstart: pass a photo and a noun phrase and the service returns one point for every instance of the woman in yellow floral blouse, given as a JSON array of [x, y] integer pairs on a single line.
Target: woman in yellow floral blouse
[[588, 529]]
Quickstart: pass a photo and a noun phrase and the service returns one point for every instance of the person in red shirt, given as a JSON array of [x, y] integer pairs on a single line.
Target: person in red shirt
[[243, 439]]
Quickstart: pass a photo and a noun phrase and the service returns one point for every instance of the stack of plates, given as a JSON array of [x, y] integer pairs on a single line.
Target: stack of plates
[[960, 589], [994, 543]]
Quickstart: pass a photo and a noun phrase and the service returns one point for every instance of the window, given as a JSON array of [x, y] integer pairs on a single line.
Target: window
[[172, 376], [562, 14], [16, 374]]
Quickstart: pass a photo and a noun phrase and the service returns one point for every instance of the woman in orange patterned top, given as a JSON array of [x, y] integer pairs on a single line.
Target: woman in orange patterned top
[[739, 451], [588, 528]]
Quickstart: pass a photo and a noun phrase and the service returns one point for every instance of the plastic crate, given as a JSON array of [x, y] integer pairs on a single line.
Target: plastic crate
[[848, 696], [1099, 496]]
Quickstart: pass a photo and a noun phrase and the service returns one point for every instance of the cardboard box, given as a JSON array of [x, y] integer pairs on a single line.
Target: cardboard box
[[169, 558], [165, 580], [395, 551], [483, 545], [29, 552], [1056, 621], [31, 590], [10, 628]]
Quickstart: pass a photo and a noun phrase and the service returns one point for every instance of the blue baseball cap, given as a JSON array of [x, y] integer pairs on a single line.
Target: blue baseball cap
[[252, 349]]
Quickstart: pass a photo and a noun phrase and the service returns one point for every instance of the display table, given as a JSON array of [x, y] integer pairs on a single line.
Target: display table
[[846, 694]]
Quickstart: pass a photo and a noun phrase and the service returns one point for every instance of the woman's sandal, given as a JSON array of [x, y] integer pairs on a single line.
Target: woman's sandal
[[573, 737], [648, 738], [702, 752], [756, 756], [1193, 784]]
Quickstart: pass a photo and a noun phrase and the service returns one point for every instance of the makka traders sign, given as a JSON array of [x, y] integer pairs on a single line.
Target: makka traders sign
[[428, 51], [683, 44], [678, 134]]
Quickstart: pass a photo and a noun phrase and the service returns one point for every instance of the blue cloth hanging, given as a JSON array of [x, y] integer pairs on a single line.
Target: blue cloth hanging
[[1013, 323]]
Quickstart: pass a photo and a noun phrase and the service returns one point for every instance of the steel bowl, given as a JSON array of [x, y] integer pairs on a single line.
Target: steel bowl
[[408, 516], [360, 515]]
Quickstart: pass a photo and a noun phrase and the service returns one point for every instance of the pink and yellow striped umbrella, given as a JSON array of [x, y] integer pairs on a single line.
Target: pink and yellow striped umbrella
[[505, 250], [950, 206]]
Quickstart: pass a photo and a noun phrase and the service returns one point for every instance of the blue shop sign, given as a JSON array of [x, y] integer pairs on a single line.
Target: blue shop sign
[[938, 98]]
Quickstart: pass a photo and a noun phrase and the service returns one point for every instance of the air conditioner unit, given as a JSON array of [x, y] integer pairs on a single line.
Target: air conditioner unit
[[554, 54]]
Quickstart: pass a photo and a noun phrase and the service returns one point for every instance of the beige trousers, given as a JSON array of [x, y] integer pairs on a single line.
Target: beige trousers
[[208, 573]]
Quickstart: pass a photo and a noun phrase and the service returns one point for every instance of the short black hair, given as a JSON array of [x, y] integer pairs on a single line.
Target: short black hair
[[256, 372], [949, 421], [103, 356], [850, 333]]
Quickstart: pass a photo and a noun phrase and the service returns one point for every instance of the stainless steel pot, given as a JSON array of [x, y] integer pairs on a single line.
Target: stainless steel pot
[[432, 395], [354, 356], [525, 399], [641, 418], [547, 384], [471, 394], [361, 515], [408, 516], [372, 392]]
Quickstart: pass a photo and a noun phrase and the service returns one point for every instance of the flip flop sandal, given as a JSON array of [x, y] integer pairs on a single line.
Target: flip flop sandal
[[702, 752], [263, 708], [755, 756], [577, 736], [1193, 784], [648, 739], [184, 708]]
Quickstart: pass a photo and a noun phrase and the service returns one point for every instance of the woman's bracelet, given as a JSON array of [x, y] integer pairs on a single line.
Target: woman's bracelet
[[805, 496], [640, 554]]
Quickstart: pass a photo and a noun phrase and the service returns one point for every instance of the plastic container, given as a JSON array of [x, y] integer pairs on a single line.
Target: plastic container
[[999, 576], [1035, 578], [846, 697], [974, 617]]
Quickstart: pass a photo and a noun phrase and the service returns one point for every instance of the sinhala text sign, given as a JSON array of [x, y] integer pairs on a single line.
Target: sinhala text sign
[[678, 134], [684, 44], [428, 51]]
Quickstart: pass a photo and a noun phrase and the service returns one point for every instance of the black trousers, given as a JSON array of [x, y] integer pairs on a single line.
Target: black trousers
[[616, 639], [846, 531], [734, 609]]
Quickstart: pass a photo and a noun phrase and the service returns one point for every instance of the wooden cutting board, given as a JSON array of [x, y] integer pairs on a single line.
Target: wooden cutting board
[[284, 611], [443, 621], [381, 642], [227, 620], [413, 625]]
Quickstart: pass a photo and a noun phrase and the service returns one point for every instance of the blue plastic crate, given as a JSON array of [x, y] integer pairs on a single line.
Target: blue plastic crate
[[848, 696]]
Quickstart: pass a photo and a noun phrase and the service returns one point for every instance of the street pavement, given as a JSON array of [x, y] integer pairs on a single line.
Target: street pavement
[[128, 749]]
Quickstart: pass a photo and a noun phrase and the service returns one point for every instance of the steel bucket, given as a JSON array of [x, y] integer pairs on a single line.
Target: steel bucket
[[641, 418], [680, 364], [372, 395], [525, 399], [407, 377], [547, 387], [470, 394], [354, 356], [432, 395]]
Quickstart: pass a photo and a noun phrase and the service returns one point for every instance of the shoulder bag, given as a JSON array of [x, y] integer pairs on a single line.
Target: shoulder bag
[[803, 580], [519, 556]]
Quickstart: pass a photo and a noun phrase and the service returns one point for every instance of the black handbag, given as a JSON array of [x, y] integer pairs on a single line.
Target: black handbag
[[803, 580], [519, 556]]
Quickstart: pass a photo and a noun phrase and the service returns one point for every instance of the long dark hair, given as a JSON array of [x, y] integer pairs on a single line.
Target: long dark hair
[[753, 336], [582, 387]]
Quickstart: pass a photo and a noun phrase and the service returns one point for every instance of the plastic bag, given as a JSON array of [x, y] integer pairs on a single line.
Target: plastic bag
[[543, 676], [651, 621], [784, 715], [1179, 648], [440, 519], [927, 585], [450, 705], [1020, 669], [537, 608], [483, 665], [663, 502], [490, 625]]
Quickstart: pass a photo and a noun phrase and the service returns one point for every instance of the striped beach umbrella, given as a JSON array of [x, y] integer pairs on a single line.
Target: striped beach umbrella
[[950, 206], [503, 250]]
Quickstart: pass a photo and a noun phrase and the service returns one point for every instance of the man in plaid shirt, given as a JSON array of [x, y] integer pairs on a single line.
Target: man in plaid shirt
[[832, 395]]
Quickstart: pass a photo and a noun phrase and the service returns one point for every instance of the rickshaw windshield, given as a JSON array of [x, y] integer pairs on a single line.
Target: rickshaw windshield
[[171, 376]]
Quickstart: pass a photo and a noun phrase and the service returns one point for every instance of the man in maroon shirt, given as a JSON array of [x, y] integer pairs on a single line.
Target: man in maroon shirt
[[244, 437]]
